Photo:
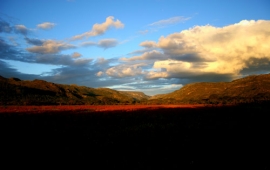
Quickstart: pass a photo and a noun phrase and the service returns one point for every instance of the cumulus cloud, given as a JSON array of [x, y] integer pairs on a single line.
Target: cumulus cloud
[[99, 29], [76, 55], [50, 47], [104, 43], [46, 25], [125, 70], [148, 44], [219, 50], [170, 21]]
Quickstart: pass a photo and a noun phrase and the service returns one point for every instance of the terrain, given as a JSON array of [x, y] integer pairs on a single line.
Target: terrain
[[200, 126], [137, 137], [39, 92], [251, 89]]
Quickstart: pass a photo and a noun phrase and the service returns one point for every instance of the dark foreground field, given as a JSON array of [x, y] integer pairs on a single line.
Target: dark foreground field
[[231, 137]]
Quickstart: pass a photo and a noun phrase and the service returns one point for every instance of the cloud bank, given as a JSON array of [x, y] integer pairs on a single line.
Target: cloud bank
[[209, 52]]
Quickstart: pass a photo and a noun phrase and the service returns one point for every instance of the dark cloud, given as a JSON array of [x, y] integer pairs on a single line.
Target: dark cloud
[[105, 43], [150, 55], [10, 52], [21, 29], [4, 26], [7, 71], [34, 41], [61, 59], [189, 57], [256, 66]]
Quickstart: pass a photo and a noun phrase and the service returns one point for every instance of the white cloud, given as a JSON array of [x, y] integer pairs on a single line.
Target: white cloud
[[170, 21], [225, 50], [46, 25], [99, 29], [125, 70]]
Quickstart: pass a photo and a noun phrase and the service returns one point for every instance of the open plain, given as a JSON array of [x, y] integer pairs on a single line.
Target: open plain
[[139, 136]]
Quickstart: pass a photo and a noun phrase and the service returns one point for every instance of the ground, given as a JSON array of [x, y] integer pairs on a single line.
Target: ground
[[140, 137]]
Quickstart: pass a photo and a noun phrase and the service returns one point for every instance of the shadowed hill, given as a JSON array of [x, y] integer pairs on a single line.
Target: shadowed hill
[[251, 89], [38, 92], [138, 96], [245, 90]]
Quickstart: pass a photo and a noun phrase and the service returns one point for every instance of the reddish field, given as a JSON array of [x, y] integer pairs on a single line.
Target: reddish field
[[138, 136], [90, 108]]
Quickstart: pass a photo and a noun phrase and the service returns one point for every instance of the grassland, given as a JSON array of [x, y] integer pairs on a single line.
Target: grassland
[[139, 137]]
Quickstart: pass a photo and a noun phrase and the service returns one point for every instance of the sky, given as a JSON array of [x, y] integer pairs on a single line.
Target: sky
[[152, 46]]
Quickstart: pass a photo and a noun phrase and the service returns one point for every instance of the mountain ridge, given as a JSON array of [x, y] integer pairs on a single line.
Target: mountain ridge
[[250, 89], [254, 88]]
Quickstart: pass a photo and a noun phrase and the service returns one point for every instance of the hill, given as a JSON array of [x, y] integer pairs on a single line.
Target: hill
[[39, 92], [251, 89]]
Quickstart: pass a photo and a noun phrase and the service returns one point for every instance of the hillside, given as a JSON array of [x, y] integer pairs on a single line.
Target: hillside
[[254, 88], [38, 92], [251, 89]]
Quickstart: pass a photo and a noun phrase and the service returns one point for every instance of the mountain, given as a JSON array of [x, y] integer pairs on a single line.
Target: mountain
[[255, 88], [39, 92], [138, 96], [251, 89]]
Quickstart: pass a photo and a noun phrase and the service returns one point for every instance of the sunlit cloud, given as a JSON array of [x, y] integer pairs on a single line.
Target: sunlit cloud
[[99, 29], [125, 70], [76, 55], [46, 25], [212, 50], [50, 47], [148, 44], [100, 73]]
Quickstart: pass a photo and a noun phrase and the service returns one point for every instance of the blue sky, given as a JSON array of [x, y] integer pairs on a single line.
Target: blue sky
[[153, 46]]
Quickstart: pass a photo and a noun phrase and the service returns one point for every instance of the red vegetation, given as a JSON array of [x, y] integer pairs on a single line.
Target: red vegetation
[[87, 108]]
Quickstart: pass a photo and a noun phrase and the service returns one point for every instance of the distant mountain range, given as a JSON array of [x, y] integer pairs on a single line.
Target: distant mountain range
[[251, 89]]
